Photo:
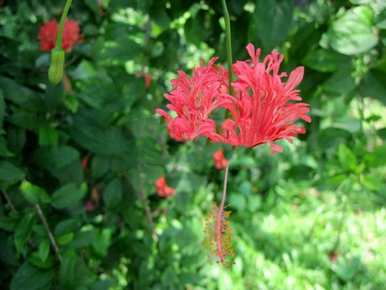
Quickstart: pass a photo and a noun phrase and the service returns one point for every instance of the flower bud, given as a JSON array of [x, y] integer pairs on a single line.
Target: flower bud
[[56, 69]]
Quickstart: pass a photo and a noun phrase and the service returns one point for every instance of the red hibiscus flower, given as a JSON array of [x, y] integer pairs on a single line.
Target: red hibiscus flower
[[263, 108], [48, 32], [163, 189], [193, 99], [220, 162]]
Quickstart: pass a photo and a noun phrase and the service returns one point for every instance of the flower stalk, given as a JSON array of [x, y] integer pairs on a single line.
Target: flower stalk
[[228, 44], [59, 36], [56, 69]]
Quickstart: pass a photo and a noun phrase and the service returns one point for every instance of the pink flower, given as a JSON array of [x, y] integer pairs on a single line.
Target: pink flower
[[220, 162], [48, 32], [264, 109], [163, 189], [193, 99]]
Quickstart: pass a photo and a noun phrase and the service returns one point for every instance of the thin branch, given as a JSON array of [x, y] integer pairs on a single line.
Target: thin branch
[[50, 235], [9, 201]]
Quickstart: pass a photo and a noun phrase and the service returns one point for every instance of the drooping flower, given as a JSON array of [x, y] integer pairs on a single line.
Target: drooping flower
[[264, 109], [49, 30], [220, 162], [163, 189], [193, 99]]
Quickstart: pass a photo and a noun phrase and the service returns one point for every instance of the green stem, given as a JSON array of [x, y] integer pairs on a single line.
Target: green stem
[[228, 44], [61, 24]]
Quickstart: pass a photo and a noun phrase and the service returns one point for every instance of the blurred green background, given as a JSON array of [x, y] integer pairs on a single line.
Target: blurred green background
[[312, 217]]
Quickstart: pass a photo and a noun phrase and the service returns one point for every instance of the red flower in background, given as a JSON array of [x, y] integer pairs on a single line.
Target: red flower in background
[[163, 189], [48, 32], [148, 79], [220, 162], [264, 108], [85, 162], [193, 99]]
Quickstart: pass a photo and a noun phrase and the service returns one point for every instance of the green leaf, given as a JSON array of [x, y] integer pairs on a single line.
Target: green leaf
[[67, 226], [23, 231], [54, 158], [68, 195], [99, 141], [374, 86], [347, 158], [112, 194], [4, 152], [7, 251], [68, 270], [73, 273], [271, 22], [65, 239], [341, 82], [196, 28], [324, 60], [377, 157], [353, 32], [44, 250], [34, 193], [7, 223], [9, 173], [48, 136], [31, 278], [19, 94], [2, 109], [102, 241], [100, 165], [71, 103]]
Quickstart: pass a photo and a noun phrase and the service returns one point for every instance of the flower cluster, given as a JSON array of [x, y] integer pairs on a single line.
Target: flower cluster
[[262, 109], [48, 32]]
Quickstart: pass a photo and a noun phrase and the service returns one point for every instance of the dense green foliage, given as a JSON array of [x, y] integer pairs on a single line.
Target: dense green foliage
[[312, 217]]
